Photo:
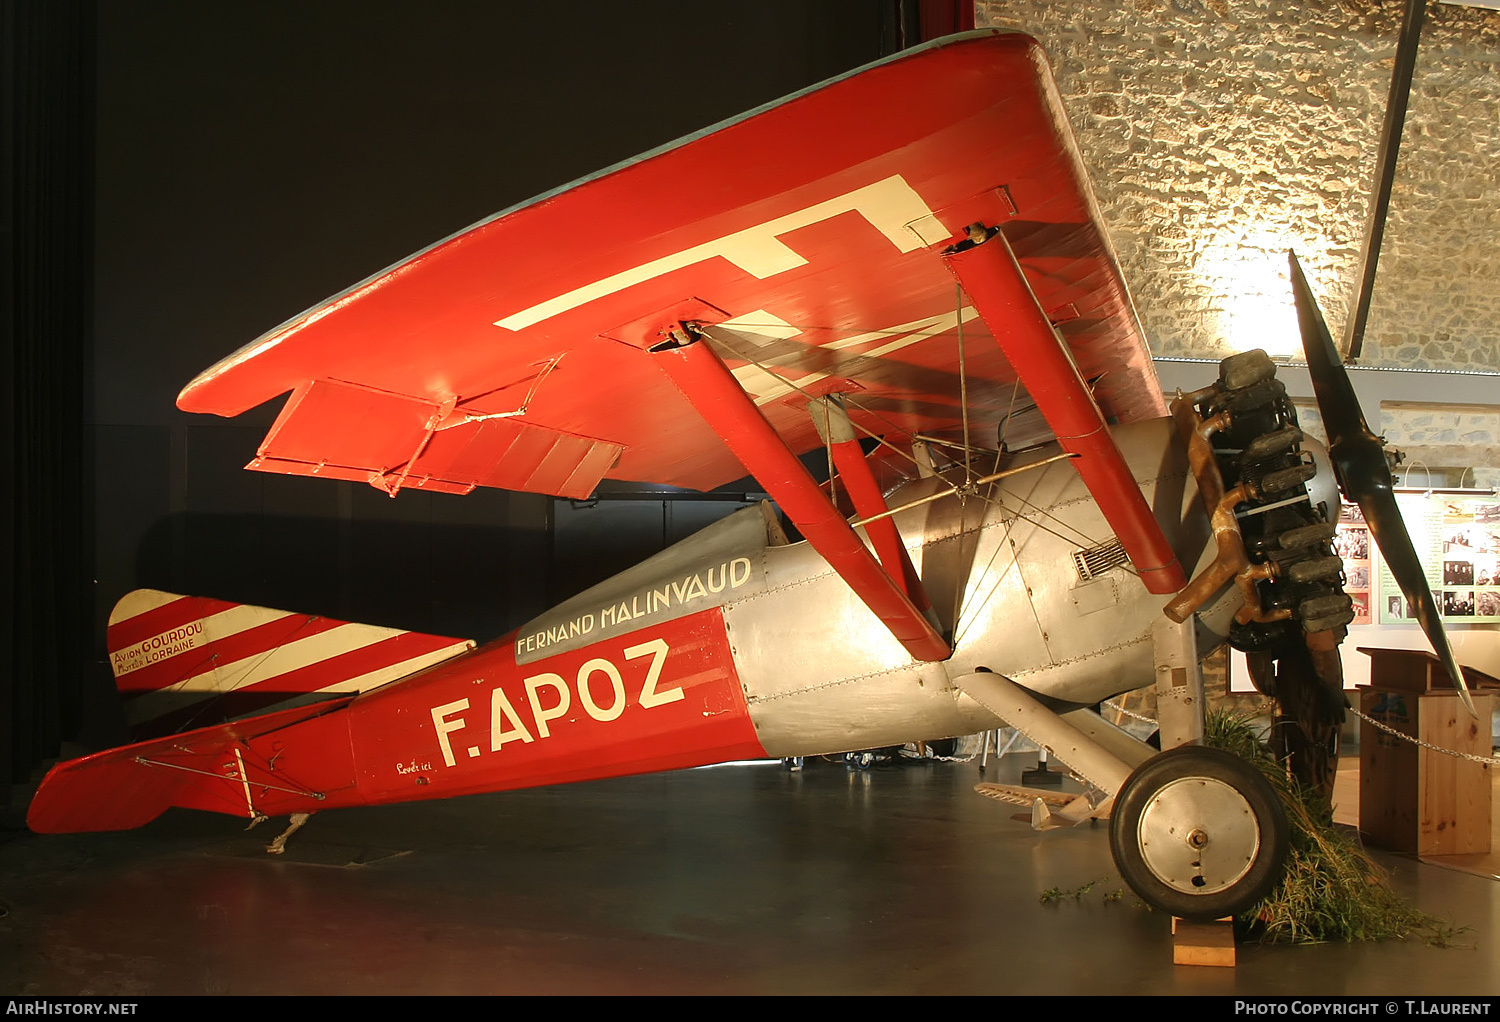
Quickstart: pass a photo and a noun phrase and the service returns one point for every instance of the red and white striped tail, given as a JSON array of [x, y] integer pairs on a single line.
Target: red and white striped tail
[[189, 661]]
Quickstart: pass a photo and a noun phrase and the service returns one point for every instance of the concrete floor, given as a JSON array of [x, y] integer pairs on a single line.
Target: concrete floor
[[732, 879]]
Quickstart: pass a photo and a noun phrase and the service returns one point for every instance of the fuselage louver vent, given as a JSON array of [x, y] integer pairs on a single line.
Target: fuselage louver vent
[[1096, 560]]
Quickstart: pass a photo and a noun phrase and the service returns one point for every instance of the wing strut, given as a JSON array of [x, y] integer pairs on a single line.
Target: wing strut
[[832, 421], [988, 271], [696, 370]]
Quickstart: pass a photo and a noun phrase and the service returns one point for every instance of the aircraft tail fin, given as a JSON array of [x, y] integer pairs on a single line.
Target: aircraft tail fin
[[186, 661]]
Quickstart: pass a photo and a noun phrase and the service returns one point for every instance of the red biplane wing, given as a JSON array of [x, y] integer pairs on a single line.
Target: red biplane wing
[[807, 233], [814, 247]]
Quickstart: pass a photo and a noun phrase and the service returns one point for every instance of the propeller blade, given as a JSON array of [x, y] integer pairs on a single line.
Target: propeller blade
[[1359, 461]]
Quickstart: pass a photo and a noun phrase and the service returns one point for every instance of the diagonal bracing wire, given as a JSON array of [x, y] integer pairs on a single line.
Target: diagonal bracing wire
[[953, 490], [963, 385]]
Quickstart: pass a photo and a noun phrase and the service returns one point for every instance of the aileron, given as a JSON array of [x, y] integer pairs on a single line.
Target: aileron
[[344, 431]]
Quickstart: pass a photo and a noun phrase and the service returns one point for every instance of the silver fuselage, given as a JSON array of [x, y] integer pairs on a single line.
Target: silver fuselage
[[820, 673]]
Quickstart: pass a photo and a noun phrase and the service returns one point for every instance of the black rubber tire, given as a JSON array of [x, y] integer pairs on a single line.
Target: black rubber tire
[[1185, 764]]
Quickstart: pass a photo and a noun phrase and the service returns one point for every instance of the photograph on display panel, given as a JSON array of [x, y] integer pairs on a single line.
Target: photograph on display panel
[[1352, 542], [1457, 539]]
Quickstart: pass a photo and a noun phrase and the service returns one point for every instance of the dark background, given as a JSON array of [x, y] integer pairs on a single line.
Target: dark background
[[182, 176]]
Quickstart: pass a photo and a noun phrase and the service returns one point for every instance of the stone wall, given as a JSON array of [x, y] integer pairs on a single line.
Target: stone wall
[[1443, 444], [1220, 133]]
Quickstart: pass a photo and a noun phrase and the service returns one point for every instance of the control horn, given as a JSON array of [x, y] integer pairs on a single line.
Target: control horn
[[1363, 469]]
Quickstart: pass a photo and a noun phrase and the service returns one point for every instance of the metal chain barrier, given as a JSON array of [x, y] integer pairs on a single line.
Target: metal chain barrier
[[1426, 745], [1120, 709], [1384, 727], [1150, 720]]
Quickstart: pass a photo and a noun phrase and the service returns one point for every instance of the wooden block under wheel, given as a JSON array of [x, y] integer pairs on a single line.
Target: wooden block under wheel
[[1210, 943]]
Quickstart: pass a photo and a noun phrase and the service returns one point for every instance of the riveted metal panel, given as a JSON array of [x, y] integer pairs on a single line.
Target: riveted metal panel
[[911, 704], [806, 627], [1081, 662], [977, 587], [821, 673], [723, 562]]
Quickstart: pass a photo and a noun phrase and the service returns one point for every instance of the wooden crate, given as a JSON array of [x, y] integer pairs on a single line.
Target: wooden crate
[[1415, 800]]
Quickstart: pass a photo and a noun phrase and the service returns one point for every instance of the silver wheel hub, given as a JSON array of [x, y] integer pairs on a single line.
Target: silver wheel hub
[[1198, 835]]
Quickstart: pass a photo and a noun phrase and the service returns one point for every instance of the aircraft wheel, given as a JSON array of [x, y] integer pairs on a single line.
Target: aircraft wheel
[[1199, 833]]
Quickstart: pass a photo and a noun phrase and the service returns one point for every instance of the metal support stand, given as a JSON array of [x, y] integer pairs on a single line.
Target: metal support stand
[[1042, 775], [992, 741]]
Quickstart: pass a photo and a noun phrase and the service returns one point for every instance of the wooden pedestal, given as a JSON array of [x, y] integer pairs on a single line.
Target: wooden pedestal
[[1210, 943], [1415, 800]]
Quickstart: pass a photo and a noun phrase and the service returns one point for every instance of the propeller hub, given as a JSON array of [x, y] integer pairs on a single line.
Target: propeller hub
[[1323, 487]]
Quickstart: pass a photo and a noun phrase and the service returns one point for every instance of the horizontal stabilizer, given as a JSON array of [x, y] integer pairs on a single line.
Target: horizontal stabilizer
[[215, 768], [187, 661]]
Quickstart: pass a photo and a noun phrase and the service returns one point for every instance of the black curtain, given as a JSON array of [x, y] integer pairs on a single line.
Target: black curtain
[[47, 229], [168, 485]]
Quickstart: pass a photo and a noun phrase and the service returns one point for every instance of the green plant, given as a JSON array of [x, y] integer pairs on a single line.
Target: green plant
[[1333, 890], [1055, 894]]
